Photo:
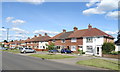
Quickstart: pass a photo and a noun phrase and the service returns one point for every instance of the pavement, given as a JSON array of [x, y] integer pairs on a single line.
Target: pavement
[[12, 61]]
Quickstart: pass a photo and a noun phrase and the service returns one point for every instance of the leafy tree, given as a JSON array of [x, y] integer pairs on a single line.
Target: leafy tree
[[108, 47], [51, 46]]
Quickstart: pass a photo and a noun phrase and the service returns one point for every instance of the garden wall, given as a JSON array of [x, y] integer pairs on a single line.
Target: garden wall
[[111, 56]]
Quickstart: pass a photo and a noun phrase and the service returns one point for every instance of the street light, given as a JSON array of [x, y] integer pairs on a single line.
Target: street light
[[7, 33]]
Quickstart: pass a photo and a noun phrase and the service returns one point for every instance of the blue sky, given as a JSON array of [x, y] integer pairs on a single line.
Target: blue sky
[[52, 17]]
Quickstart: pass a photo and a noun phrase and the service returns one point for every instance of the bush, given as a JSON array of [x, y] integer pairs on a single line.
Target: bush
[[50, 46], [108, 47], [114, 53]]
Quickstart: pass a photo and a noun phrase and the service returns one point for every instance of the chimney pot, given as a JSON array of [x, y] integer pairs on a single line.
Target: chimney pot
[[46, 34], [89, 26], [40, 35], [64, 30], [75, 28], [35, 36]]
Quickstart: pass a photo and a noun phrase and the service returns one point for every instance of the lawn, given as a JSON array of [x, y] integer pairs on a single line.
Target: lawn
[[12, 51], [108, 64], [51, 56]]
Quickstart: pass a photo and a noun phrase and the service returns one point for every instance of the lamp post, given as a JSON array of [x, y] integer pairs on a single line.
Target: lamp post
[[7, 33]]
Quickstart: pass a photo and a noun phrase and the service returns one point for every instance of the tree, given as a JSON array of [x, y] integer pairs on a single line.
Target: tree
[[107, 47], [51, 46]]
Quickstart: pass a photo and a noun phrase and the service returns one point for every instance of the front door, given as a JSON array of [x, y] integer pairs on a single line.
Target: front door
[[98, 51]]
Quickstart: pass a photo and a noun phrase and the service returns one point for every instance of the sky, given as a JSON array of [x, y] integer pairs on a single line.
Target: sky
[[26, 19]]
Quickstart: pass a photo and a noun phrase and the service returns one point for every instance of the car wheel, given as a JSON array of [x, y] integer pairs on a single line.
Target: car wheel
[[34, 51], [24, 52]]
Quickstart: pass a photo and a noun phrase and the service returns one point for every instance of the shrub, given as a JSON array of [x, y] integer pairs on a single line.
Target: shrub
[[114, 53], [108, 47], [51, 46]]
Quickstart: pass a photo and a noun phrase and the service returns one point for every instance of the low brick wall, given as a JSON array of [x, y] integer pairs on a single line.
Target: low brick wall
[[111, 56], [41, 49]]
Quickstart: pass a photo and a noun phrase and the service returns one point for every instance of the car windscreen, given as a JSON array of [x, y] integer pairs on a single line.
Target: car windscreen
[[30, 48]]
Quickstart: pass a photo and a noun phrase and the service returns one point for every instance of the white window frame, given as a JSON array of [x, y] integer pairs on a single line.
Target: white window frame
[[63, 40], [75, 48], [89, 39], [88, 49], [73, 39]]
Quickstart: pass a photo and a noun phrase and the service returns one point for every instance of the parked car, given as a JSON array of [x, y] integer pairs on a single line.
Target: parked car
[[53, 51], [66, 50], [2, 48], [27, 50]]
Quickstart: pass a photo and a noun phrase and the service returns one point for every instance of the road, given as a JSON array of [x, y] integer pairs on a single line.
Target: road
[[18, 62]]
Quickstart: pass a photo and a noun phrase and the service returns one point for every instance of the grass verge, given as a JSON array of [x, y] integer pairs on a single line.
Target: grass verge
[[108, 64], [51, 56], [12, 51]]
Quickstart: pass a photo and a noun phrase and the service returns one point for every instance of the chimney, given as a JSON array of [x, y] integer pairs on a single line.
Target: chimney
[[64, 30], [75, 28], [89, 26], [46, 34], [40, 35], [28, 37], [35, 36]]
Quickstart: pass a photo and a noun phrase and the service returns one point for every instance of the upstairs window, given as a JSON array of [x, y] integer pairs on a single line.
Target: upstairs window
[[89, 40], [73, 40], [63, 41], [53, 41]]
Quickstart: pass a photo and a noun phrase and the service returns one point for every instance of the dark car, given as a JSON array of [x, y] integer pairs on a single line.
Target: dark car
[[53, 51], [66, 51]]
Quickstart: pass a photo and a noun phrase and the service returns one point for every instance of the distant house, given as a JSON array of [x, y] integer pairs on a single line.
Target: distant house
[[89, 40], [38, 43]]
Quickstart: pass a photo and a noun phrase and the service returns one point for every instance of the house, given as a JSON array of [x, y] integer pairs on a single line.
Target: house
[[89, 40], [38, 42], [117, 43]]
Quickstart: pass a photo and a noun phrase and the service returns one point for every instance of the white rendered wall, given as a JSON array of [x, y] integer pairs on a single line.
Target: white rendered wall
[[41, 44]]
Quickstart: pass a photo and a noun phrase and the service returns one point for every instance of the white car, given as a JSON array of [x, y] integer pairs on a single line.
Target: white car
[[27, 50]]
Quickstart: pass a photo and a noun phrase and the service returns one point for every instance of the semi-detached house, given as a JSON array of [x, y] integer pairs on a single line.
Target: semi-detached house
[[89, 40], [38, 42]]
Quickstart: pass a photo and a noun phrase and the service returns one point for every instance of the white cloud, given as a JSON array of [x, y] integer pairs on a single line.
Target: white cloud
[[114, 14], [112, 32], [45, 31], [91, 3], [102, 6], [9, 19], [93, 11], [2, 29], [18, 21], [32, 1], [18, 30]]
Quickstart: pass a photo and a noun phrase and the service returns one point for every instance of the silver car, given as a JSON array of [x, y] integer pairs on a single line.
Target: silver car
[[27, 50]]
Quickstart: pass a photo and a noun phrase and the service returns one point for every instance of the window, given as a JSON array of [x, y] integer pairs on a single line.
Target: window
[[53, 41], [89, 49], [63, 40], [73, 40], [73, 48], [89, 39]]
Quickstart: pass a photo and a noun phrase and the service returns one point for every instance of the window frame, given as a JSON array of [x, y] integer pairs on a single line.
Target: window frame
[[73, 39], [89, 40]]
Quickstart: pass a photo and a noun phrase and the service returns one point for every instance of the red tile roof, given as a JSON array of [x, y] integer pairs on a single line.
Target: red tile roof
[[82, 33]]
